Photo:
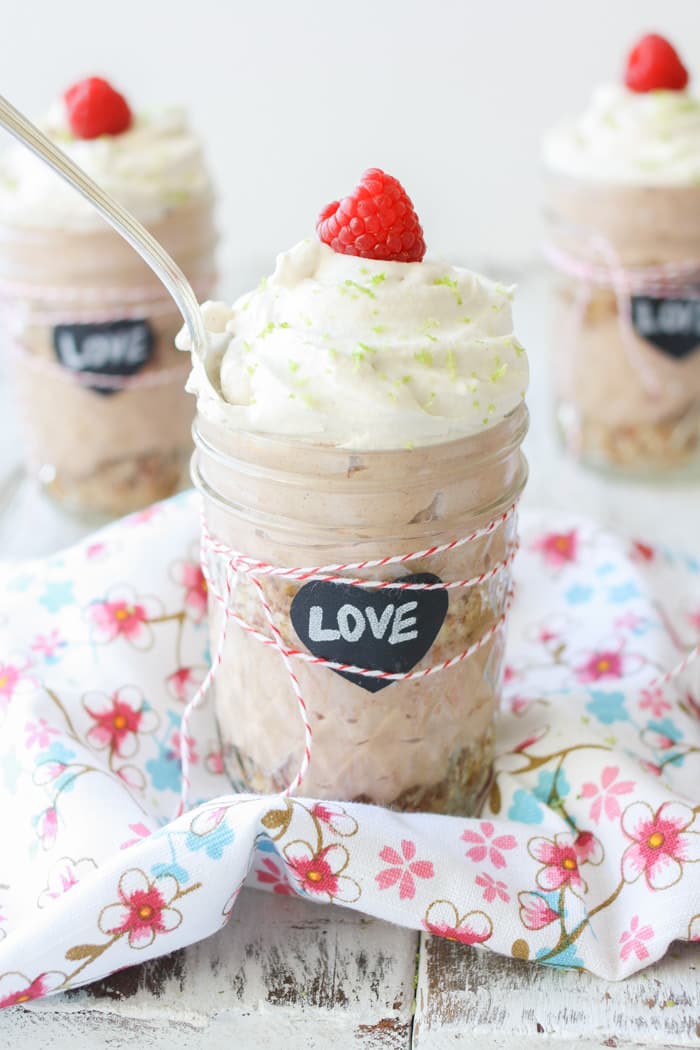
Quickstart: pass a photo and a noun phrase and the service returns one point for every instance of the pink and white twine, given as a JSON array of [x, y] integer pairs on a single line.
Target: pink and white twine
[[217, 556]]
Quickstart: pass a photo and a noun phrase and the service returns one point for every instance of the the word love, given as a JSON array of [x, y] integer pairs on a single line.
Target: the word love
[[389, 630]]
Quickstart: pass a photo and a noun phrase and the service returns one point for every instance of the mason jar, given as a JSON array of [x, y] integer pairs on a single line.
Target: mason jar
[[412, 741], [89, 331], [625, 276]]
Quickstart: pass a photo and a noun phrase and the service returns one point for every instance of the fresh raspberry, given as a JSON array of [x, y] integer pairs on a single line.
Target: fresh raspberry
[[377, 221], [653, 65], [95, 108]]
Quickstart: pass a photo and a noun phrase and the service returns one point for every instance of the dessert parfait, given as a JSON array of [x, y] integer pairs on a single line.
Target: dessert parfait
[[88, 326], [623, 209], [359, 412]]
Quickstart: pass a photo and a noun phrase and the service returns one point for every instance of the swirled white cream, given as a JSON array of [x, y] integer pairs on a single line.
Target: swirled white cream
[[648, 138], [356, 353], [155, 166]]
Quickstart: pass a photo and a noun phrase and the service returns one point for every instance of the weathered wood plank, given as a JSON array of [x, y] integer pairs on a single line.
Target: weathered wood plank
[[472, 998], [285, 973]]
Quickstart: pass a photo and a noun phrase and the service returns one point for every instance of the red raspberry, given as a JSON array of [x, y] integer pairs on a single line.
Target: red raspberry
[[376, 221], [653, 65], [95, 108]]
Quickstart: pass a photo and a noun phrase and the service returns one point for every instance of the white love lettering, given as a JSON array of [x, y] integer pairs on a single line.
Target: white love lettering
[[379, 626], [351, 623], [317, 632], [401, 622], [355, 633]]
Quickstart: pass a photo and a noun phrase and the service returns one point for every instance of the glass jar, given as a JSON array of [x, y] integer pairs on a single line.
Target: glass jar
[[418, 743], [626, 323], [90, 332]]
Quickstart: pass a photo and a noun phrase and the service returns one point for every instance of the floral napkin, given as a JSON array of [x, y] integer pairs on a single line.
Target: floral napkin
[[585, 856]]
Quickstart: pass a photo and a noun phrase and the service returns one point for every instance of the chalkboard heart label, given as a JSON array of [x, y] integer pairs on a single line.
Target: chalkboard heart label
[[112, 349], [389, 630], [671, 325]]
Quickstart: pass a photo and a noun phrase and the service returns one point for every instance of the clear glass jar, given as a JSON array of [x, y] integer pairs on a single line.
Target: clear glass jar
[[626, 323], [90, 332], [415, 744]]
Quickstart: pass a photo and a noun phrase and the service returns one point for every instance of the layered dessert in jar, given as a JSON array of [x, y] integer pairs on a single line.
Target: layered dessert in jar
[[88, 327], [361, 406], [623, 213]]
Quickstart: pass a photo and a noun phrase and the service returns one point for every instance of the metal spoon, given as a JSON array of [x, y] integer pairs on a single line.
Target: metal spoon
[[119, 218]]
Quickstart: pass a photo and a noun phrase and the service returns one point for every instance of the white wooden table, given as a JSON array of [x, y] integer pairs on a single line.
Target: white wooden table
[[287, 973]]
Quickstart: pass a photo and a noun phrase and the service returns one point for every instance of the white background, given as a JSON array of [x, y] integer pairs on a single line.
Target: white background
[[295, 98]]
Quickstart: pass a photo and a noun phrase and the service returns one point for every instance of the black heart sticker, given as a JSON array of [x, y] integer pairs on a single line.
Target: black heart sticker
[[388, 630], [671, 325]]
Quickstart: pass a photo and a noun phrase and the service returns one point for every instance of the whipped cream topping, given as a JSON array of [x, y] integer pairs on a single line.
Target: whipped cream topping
[[650, 138], [357, 353], [153, 167]]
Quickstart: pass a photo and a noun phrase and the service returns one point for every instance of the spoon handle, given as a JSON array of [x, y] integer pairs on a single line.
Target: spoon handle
[[118, 217]]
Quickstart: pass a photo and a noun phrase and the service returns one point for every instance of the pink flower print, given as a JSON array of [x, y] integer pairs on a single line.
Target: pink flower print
[[141, 517], [661, 843], [632, 940], [533, 738], [95, 550], [642, 551], [628, 621], [39, 733], [184, 683], [47, 827], [443, 920], [190, 576], [492, 888], [180, 743], [519, 705], [546, 635], [561, 858], [119, 719], [214, 762], [486, 845], [403, 869], [508, 674], [47, 645], [16, 988], [335, 817], [320, 873], [558, 548], [535, 913], [143, 910], [10, 677], [654, 701], [605, 797], [650, 767], [604, 664], [140, 832], [694, 619], [124, 615], [63, 876], [271, 874]]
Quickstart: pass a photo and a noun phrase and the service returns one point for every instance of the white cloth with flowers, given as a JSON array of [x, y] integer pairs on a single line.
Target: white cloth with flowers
[[586, 855]]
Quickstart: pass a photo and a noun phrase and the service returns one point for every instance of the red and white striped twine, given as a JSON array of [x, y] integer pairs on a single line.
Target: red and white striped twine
[[235, 563]]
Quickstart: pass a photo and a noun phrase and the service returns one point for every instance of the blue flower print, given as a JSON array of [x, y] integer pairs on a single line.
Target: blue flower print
[[566, 960], [525, 808], [607, 707], [623, 592], [578, 594], [57, 595]]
